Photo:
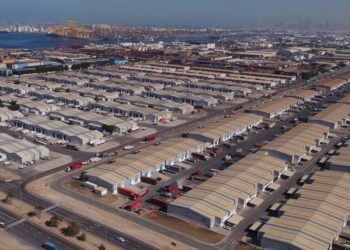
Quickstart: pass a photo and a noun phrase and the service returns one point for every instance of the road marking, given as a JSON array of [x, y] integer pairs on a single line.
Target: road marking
[[15, 223]]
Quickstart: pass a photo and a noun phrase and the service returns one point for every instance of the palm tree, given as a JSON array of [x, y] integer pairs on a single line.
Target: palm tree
[[9, 197], [39, 209]]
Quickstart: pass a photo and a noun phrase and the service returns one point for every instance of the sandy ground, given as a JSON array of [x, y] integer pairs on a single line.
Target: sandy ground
[[9, 242], [57, 161], [22, 209], [187, 228], [107, 218]]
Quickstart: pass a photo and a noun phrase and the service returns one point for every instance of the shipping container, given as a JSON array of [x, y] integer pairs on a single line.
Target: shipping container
[[134, 204], [171, 187], [218, 150], [149, 180], [127, 192], [150, 138], [143, 192], [159, 201], [76, 165], [201, 156]]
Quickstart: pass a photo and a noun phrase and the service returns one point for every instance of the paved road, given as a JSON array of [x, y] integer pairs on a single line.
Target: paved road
[[36, 236], [102, 231], [8, 217]]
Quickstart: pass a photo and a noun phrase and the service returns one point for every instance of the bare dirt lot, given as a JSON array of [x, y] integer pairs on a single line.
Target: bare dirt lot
[[187, 228], [109, 198]]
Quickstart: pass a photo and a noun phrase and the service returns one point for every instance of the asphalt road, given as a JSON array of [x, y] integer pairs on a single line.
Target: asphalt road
[[8, 217], [36, 236]]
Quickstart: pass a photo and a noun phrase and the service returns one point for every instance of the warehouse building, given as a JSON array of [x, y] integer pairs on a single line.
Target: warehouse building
[[217, 199], [11, 88], [315, 219], [129, 169], [275, 107], [219, 86], [195, 91], [121, 88], [93, 120], [182, 108], [224, 129], [6, 114], [195, 100], [59, 130], [21, 151], [64, 98], [95, 94], [63, 79], [158, 80], [304, 95], [30, 106], [340, 161], [297, 143], [133, 111], [334, 116], [331, 84]]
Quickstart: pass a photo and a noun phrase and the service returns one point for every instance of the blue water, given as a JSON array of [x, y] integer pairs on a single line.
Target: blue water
[[41, 40]]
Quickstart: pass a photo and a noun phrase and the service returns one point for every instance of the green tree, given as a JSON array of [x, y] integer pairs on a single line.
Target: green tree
[[9, 197], [72, 230], [108, 128], [101, 247], [39, 209], [54, 221], [13, 106], [82, 237]]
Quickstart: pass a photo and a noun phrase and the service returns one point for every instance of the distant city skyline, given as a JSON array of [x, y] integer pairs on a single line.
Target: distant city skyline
[[179, 12]]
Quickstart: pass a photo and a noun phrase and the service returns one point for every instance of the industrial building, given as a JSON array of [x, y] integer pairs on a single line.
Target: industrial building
[[181, 108], [129, 169], [297, 143], [331, 84], [315, 219], [224, 129], [60, 130], [21, 151], [340, 161], [93, 120], [334, 116], [304, 94], [70, 99], [17, 89], [133, 111], [196, 100], [217, 199], [275, 107], [6, 114], [121, 88]]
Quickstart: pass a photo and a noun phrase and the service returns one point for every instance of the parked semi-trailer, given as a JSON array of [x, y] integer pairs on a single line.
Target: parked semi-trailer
[[201, 156], [150, 138], [149, 180], [75, 166]]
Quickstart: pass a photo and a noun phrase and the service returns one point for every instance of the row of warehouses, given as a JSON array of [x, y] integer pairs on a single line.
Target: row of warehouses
[[216, 200], [121, 174], [314, 220], [21, 151]]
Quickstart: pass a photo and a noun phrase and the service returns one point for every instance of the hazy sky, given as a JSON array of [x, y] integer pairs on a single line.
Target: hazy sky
[[176, 12]]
